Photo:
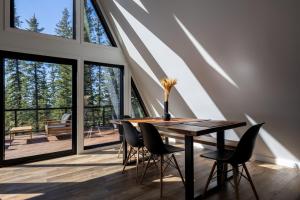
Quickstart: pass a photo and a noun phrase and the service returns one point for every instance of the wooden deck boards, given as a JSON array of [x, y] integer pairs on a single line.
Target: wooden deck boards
[[22, 145]]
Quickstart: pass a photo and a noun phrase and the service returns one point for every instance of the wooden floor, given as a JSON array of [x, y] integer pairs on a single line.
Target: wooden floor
[[98, 176], [22, 145]]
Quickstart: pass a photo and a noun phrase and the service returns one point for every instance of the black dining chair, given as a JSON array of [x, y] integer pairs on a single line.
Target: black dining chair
[[121, 134], [135, 141], [236, 158], [154, 144]]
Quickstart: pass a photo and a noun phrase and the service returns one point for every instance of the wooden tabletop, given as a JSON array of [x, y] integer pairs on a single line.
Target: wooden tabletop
[[187, 126]]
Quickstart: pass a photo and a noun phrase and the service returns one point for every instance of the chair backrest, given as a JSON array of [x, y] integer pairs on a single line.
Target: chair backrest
[[245, 147], [152, 138], [65, 118], [120, 127], [131, 134]]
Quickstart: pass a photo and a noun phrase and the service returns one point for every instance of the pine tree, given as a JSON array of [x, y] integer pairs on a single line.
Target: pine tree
[[17, 20], [15, 90], [36, 76], [89, 82], [33, 25], [88, 25], [64, 26], [64, 72]]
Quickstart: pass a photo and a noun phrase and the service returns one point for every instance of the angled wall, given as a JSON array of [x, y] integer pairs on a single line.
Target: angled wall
[[236, 60]]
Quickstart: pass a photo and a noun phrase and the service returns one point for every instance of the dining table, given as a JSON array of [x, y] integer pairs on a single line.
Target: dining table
[[190, 128]]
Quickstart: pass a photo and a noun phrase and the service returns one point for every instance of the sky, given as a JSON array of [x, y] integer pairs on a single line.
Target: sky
[[48, 13]]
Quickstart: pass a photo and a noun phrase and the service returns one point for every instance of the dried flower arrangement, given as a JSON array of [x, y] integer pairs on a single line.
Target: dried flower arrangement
[[167, 84]]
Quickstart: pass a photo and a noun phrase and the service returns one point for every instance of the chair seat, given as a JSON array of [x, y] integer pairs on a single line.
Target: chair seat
[[172, 149], [219, 156]]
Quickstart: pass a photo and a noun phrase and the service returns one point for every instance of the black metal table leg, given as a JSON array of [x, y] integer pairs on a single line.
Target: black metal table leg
[[189, 167], [220, 147]]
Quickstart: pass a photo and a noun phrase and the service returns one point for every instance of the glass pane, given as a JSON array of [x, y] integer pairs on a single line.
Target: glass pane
[[137, 110], [94, 31], [53, 17], [102, 103], [38, 101]]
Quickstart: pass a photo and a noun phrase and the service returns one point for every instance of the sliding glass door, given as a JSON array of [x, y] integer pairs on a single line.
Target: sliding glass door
[[39, 104], [103, 101]]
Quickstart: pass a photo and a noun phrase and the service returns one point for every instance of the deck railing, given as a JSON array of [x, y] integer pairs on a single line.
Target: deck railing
[[93, 116]]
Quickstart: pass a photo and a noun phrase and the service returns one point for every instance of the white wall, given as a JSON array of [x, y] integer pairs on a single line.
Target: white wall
[[235, 60], [39, 44]]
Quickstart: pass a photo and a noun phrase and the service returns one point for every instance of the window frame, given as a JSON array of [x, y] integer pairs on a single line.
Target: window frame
[[103, 22], [12, 21], [38, 58], [121, 67]]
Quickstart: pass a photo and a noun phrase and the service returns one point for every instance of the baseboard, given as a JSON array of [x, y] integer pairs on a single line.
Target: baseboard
[[277, 161]]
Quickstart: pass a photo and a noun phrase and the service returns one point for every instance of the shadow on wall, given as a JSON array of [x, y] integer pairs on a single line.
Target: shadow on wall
[[225, 75]]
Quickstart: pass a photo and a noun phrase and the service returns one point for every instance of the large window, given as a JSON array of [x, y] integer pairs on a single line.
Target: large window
[[53, 17], [39, 105], [95, 29], [103, 101]]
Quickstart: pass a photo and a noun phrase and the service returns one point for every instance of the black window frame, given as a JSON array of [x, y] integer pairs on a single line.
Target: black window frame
[[38, 58], [136, 91], [104, 23], [12, 20], [121, 67]]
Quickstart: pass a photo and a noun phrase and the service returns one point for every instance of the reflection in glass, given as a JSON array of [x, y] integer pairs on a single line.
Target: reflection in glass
[[102, 103], [138, 109]]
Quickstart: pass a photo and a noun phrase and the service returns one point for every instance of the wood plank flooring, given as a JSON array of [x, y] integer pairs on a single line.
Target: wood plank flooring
[[98, 176]]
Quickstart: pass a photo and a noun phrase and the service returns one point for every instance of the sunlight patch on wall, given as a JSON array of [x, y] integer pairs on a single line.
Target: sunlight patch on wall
[[205, 55], [188, 86], [156, 114], [282, 155], [141, 5], [133, 52]]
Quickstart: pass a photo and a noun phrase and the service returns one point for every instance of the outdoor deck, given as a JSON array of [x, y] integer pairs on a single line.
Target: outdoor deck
[[22, 145]]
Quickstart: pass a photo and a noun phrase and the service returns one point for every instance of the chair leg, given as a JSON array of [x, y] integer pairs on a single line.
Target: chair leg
[[145, 170], [177, 166], [120, 149], [126, 161], [137, 164], [250, 180], [210, 177], [143, 156], [235, 178], [161, 175]]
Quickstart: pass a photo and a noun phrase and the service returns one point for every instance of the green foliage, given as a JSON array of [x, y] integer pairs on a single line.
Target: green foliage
[[64, 27], [94, 31], [137, 110], [102, 93], [33, 25]]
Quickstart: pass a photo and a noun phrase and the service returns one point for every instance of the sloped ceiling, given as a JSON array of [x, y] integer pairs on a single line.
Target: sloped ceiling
[[236, 60]]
